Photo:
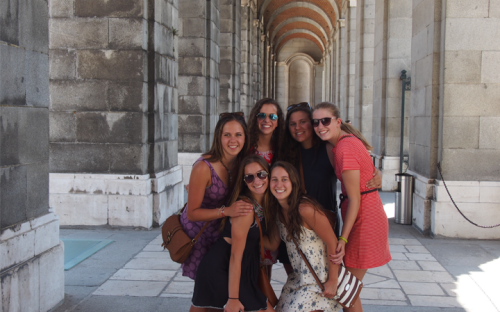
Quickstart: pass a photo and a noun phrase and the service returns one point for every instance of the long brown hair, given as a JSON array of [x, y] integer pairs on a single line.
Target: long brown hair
[[216, 151], [290, 148], [241, 189], [343, 126], [297, 196], [253, 127]]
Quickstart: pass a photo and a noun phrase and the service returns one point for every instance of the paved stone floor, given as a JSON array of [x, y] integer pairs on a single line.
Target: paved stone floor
[[425, 274]]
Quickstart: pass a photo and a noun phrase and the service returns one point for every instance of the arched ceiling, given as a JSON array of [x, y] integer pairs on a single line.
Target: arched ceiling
[[313, 20]]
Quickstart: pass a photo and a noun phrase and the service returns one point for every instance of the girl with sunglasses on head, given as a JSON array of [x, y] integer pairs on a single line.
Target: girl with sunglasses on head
[[227, 275], [314, 160], [301, 219], [209, 184], [266, 130], [365, 233]]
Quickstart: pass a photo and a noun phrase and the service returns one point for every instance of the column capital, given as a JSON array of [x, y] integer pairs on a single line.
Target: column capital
[[263, 38], [341, 22], [353, 3]]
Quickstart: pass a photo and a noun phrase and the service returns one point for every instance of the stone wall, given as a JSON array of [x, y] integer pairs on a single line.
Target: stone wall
[[199, 59], [31, 266], [113, 113]]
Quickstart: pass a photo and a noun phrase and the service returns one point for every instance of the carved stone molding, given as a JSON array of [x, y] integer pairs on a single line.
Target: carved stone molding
[[341, 22]]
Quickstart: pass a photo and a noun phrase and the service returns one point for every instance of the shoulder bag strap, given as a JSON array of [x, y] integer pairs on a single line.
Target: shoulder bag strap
[[308, 265], [261, 241]]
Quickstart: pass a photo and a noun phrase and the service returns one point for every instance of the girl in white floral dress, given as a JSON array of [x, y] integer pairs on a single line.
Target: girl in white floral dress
[[302, 217]]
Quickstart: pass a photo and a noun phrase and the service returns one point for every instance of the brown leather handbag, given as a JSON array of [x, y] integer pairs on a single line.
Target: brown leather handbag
[[263, 282], [178, 243]]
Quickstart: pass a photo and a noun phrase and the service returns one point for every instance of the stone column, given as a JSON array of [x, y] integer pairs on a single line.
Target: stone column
[[230, 56], [198, 73], [363, 98], [246, 85], [113, 119], [455, 116], [31, 255], [393, 23], [343, 65], [256, 62], [351, 59]]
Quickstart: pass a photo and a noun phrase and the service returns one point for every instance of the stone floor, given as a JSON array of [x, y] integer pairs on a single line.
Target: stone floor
[[425, 275]]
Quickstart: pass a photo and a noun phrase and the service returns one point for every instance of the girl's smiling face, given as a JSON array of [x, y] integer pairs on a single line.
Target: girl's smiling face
[[233, 138], [257, 186], [300, 127], [266, 125], [281, 186], [326, 133]]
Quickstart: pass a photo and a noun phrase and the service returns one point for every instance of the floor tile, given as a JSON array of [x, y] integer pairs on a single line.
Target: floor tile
[[180, 288], [143, 275], [180, 278], [153, 247], [384, 302], [404, 265], [130, 288], [431, 266], [434, 301], [385, 284], [382, 294], [397, 248], [417, 249], [450, 289], [398, 256], [372, 279], [420, 256], [404, 241], [153, 254], [423, 276], [430, 289], [152, 264], [279, 275], [382, 271]]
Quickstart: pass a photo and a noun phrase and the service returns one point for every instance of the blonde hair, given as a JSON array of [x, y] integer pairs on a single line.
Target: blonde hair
[[343, 126]]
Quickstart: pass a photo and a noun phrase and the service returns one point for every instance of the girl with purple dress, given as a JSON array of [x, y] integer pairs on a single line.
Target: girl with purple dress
[[209, 185]]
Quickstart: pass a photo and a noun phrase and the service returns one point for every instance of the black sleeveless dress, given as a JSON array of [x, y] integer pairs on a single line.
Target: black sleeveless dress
[[320, 178], [211, 284]]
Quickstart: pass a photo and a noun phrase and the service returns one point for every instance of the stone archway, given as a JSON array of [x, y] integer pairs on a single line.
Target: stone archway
[[299, 79]]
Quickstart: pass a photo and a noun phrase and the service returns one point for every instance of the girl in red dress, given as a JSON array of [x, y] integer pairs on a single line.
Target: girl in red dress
[[365, 233]]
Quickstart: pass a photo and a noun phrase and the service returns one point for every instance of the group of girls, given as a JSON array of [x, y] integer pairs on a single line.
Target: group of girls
[[283, 173]]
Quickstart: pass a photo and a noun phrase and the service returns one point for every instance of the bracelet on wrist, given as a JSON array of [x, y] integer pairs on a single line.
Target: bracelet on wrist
[[343, 238], [234, 298], [222, 211]]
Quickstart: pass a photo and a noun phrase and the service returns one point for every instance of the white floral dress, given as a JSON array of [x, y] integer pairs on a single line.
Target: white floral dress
[[301, 293]]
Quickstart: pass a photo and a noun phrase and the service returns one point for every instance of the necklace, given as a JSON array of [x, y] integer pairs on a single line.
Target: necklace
[[228, 172]]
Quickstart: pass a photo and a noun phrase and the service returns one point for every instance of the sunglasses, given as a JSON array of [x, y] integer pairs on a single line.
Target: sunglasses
[[263, 116], [235, 114], [249, 178], [325, 121], [302, 104]]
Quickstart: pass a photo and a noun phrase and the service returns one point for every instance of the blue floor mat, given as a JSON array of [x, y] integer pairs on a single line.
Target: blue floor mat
[[77, 250]]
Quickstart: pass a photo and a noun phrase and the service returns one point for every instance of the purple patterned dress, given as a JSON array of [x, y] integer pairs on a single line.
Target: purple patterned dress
[[214, 196]]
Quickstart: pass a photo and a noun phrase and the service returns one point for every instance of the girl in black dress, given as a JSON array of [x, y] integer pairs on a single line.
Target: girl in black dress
[[227, 275]]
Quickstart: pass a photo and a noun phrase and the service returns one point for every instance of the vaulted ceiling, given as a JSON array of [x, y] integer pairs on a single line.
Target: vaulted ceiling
[[285, 20]]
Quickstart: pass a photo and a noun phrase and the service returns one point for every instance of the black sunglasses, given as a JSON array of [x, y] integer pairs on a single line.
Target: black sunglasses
[[325, 121], [263, 116], [235, 114], [250, 177], [302, 104]]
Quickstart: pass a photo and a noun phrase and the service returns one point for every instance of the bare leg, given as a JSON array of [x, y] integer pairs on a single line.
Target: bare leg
[[359, 273], [269, 307]]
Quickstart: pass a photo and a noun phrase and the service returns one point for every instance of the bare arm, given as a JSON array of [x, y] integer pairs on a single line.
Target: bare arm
[[271, 242], [239, 232], [318, 222], [351, 183], [199, 180]]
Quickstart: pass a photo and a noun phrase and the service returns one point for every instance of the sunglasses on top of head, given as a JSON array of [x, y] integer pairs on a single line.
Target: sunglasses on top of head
[[263, 116], [301, 104], [235, 114], [325, 121], [249, 178]]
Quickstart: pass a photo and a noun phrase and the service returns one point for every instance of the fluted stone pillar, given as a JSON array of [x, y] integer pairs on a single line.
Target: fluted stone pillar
[[363, 98], [31, 254], [393, 24], [246, 78], [113, 113]]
